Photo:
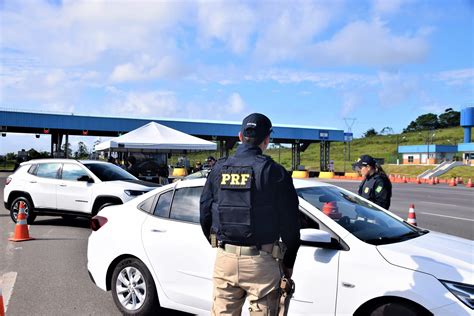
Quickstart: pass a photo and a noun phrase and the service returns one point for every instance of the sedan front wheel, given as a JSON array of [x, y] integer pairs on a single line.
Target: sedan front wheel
[[133, 289]]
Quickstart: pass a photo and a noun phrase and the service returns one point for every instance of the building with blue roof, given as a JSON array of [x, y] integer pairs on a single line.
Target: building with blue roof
[[434, 154], [427, 154], [467, 147]]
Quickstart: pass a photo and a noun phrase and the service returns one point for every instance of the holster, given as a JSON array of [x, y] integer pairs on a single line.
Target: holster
[[278, 251], [213, 238], [287, 288]]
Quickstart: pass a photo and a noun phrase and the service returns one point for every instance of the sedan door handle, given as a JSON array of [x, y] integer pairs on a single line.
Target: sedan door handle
[[158, 230], [32, 181], [63, 185]]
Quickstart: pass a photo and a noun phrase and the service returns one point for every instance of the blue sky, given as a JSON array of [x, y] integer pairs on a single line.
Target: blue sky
[[382, 62]]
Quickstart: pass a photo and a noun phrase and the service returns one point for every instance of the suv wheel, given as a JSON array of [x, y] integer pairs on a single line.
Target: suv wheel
[[15, 209], [133, 289], [101, 207]]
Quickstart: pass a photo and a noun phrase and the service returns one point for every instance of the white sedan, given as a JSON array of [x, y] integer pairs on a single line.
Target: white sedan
[[355, 258]]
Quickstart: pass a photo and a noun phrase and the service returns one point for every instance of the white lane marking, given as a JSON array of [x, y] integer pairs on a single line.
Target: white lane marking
[[461, 218], [436, 203], [7, 283]]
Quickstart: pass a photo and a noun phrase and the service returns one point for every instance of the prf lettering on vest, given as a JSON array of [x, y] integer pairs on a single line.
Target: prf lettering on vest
[[235, 178]]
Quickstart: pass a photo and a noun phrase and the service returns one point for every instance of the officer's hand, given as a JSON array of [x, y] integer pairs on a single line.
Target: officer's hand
[[287, 272]]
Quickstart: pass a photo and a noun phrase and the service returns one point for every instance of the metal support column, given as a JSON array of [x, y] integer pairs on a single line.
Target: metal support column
[[324, 151], [295, 156], [221, 149], [66, 147]]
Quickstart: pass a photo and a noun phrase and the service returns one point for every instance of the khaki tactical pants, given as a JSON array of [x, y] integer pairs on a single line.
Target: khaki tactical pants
[[237, 277]]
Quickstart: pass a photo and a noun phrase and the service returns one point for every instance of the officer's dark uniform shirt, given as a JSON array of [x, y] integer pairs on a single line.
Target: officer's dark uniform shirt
[[275, 188], [378, 189]]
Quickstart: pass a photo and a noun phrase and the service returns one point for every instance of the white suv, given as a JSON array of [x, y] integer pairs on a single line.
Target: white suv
[[69, 188]]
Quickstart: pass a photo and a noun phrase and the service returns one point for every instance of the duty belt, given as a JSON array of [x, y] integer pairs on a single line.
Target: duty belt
[[247, 250]]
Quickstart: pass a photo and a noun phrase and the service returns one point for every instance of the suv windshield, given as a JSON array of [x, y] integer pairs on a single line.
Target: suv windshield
[[109, 172], [362, 219]]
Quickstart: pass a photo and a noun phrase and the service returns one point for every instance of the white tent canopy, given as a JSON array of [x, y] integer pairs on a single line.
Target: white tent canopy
[[154, 137]]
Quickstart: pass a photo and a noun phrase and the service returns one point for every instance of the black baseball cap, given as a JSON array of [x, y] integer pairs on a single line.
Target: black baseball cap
[[364, 160], [256, 125]]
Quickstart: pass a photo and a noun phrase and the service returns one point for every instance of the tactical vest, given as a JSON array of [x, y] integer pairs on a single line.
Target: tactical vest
[[242, 197]]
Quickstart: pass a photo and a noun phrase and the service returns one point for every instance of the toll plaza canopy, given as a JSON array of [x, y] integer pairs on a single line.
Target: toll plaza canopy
[[225, 133], [155, 137]]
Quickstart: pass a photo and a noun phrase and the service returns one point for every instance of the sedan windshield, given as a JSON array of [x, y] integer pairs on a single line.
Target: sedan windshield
[[362, 219], [109, 172]]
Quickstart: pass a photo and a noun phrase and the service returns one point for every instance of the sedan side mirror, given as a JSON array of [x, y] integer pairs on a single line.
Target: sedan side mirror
[[315, 235], [85, 178], [321, 239]]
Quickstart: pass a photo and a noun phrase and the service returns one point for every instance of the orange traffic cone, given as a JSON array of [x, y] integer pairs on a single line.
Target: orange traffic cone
[[432, 181], [411, 215], [460, 180], [21, 227], [437, 180], [452, 183], [469, 184], [330, 209], [418, 181], [2, 310]]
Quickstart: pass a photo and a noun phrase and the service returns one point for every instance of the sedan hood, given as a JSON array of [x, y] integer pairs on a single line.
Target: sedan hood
[[444, 256]]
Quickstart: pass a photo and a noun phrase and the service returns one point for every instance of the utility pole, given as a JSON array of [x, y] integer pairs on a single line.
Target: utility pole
[[349, 123]]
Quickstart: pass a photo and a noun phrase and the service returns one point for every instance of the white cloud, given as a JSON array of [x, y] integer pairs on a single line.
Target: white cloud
[[235, 103], [457, 77], [350, 102], [320, 79], [81, 32], [385, 7], [147, 68], [289, 28], [143, 104], [227, 21], [396, 88], [44, 85], [372, 44]]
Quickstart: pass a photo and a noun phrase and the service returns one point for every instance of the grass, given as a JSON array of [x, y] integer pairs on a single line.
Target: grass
[[465, 171], [8, 166], [383, 146]]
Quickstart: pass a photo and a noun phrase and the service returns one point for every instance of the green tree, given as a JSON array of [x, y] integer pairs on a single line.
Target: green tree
[[423, 122], [69, 150], [370, 132], [82, 151], [427, 121], [387, 130], [11, 156], [449, 118]]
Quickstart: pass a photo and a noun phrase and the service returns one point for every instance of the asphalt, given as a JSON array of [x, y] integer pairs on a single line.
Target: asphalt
[[50, 273], [48, 276]]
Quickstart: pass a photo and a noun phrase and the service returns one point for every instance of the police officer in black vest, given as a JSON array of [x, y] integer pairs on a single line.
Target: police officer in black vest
[[248, 204], [376, 186]]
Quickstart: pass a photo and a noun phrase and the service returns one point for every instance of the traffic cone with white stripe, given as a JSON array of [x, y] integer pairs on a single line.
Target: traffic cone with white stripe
[[2, 309], [412, 215], [21, 227]]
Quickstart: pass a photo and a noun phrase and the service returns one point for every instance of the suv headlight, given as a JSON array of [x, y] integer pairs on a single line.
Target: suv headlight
[[134, 192], [464, 292]]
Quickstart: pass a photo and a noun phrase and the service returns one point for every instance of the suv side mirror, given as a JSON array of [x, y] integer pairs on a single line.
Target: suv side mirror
[[85, 178]]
